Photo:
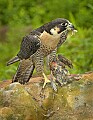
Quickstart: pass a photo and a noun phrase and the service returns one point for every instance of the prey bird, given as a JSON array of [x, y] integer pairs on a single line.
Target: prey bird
[[59, 73], [40, 43]]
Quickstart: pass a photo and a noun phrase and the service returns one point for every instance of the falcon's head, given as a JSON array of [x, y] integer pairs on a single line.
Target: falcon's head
[[58, 26]]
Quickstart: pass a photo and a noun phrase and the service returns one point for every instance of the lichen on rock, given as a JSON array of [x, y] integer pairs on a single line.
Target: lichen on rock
[[30, 102]]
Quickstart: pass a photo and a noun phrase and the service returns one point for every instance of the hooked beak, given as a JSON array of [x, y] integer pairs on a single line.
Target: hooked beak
[[71, 27]]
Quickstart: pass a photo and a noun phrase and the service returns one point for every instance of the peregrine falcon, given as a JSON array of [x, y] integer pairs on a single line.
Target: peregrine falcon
[[40, 43]]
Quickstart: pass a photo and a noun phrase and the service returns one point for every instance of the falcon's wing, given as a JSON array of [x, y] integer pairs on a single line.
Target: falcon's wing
[[24, 71], [30, 44]]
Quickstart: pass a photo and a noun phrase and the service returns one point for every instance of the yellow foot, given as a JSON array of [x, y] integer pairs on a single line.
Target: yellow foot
[[46, 80]]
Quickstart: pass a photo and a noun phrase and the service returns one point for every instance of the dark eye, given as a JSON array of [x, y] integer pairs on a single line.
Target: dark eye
[[64, 24]]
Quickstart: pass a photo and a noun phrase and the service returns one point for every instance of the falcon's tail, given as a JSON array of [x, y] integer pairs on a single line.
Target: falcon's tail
[[24, 71], [13, 60]]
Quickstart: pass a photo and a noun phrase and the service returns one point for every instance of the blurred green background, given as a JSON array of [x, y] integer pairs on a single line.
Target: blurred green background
[[19, 17]]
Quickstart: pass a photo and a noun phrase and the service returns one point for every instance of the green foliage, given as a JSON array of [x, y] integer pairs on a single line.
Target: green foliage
[[40, 11], [78, 49], [22, 15]]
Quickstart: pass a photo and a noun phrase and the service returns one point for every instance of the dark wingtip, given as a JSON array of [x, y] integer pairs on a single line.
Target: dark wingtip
[[13, 60]]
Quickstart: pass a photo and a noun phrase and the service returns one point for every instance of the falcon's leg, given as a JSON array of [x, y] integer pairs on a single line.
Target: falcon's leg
[[46, 80], [39, 64]]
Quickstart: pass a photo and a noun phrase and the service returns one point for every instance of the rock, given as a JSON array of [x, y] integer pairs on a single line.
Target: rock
[[29, 102], [6, 112], [20, 101]]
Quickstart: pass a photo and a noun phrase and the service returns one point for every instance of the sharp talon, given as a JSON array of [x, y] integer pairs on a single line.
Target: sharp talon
[[46, 80]]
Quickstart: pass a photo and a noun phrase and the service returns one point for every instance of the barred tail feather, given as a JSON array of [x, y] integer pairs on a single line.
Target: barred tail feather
[[28, 74], [24, 71], [13, 60]]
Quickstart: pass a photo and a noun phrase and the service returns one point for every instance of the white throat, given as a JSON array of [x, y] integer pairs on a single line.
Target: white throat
[[53, 31]]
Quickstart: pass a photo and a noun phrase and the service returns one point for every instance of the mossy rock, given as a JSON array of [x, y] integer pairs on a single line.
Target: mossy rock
[[29, 102]]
